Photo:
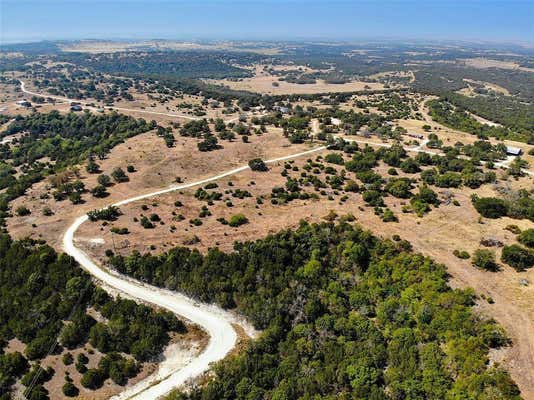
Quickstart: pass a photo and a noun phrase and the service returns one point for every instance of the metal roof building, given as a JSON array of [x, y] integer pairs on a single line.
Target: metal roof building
[[513, 151]]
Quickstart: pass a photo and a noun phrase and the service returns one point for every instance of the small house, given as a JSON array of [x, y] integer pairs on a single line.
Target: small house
[[513, 151], [24, 103]]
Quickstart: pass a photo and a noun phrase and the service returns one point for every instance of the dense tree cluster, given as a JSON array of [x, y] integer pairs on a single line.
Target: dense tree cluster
[[70, 138], [344, 315], [446, 113], [521, 206], [44, 301], [172, 64]]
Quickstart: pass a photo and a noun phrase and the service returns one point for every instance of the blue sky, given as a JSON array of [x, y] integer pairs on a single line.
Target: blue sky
[[25, 20]]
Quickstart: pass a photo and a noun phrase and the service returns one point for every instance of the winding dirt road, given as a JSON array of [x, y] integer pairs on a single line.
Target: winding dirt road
[[213, 320]]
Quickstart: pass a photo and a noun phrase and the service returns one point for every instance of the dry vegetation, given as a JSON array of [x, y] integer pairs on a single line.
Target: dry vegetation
[[156, 167], [264, 82]]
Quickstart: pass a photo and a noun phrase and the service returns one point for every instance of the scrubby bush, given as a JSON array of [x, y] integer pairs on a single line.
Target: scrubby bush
[[334, 158], [527, 237], [145, 223], [70, 390], [110, 213], [490, 207], [99, 191], [119, 175], [22, 211], [237, 220], [93, 379], [67, 359], [462, 254], [485, 259], [373, 198], [257, 164], [388, 216], [104, 180], [518, 257], [351, 186]]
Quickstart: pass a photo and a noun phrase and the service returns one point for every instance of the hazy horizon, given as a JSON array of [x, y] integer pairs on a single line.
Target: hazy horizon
[[296, 20]]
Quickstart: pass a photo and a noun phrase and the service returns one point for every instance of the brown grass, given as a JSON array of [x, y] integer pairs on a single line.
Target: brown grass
[[264, 84], [157, 166]]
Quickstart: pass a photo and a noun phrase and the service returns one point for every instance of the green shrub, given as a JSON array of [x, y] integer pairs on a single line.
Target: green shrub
[[518, 257], [462, 254], [237, 220], [490, 207], [119, 175], [70, 390], [373, 198], [145, 223], [334, 158], [92, 379], [257, 164], [351, 186], [513, 228], [67, 359], [110, 213], [485, 259], [527, 237], [388, 216], [22, 211]]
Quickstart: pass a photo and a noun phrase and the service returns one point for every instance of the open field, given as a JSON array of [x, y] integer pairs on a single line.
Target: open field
[[470, 90], [264, 84], [105, 46], [481, 62], [156, 165]]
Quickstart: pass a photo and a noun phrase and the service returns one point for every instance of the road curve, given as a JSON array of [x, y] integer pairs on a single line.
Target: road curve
[[214, 321]]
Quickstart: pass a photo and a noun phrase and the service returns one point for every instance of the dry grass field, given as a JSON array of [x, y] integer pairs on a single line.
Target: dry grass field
[[157, 166], [106, 46], [481, 62], [264, 84]]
